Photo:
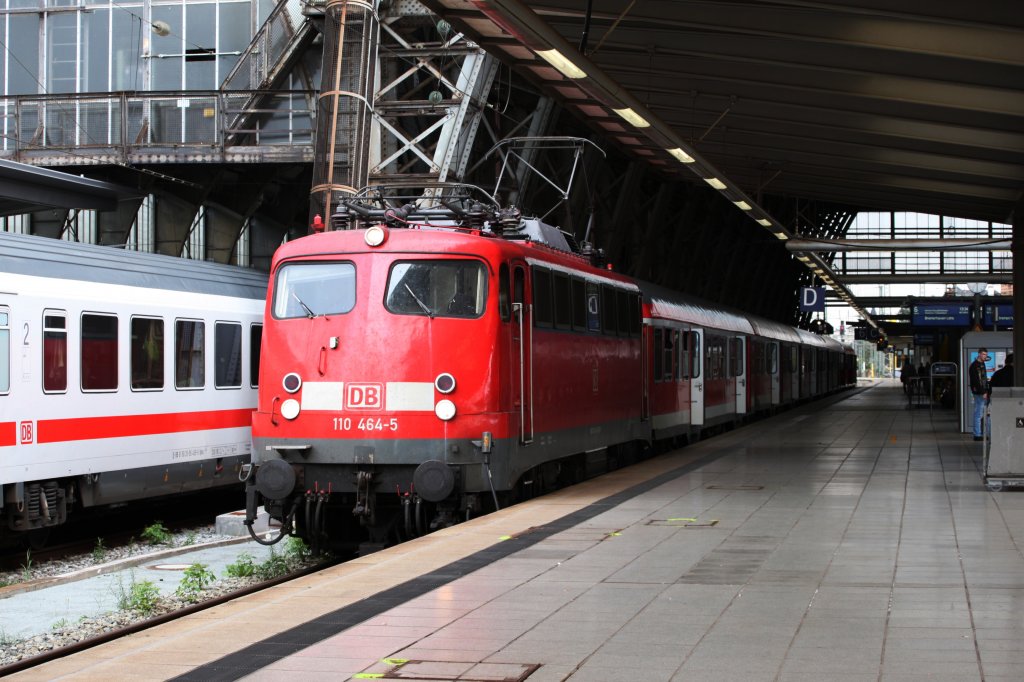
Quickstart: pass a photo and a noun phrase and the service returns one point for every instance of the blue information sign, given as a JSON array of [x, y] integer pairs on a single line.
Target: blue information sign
[[812, 299], [941, 315], [1003, 314]]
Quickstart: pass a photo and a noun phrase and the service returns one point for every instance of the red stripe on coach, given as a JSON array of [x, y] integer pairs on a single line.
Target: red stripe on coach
[[88, 428], [8, 433]]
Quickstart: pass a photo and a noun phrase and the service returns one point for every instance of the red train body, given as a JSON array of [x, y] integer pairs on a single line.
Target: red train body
[[410, 377]]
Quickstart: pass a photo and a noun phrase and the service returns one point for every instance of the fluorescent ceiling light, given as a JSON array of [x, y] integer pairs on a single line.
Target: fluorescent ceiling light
[[680, 154], [560, 62], [632, 117], [780, 235], [715, 182], [744, 206]]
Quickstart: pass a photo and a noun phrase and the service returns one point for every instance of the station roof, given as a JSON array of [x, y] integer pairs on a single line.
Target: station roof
[[25, 188], [872, 104]]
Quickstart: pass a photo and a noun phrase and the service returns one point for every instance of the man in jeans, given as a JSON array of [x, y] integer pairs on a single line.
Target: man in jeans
[[977, 373]]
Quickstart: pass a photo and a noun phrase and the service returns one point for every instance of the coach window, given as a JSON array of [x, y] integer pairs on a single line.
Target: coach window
[[735, 357], [189, 354], [227, 355], [669, 351], [55, 351], [5, 350], [449, 288], [147, 353], [694, 355], [659, 335], [314, 289], [542, 310], [773, 358], [255, 344], [99, 352], [683, 357]]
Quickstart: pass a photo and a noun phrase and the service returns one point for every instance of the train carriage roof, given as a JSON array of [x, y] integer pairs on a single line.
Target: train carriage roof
[[775, 330], [672, 305], [45, 257]]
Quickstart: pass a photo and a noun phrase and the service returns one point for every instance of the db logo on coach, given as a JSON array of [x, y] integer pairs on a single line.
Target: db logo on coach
[[26, 433], [364, 396]]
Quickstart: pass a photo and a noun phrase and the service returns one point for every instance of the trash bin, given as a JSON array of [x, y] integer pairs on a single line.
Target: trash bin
[[1004, 451]]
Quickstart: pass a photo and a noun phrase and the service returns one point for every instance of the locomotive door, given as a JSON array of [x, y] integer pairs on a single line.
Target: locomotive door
[[522, 353], [739, 360], [697, 378]]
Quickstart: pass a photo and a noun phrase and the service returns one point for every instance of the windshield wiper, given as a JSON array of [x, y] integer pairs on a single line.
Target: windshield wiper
[[309, 313], [422, 305]]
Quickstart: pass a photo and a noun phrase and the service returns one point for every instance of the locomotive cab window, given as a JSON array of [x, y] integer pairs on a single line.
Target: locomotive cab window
[[55, 351], [314, 289], [227, 355], [189, 354], [99, 352], [5, 351], [147, 353], [448, 288]]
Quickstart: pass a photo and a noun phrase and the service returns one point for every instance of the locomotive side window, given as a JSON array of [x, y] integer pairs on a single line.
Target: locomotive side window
[[99, 352], [147, 353], [55, 351], [623, 309], [579, 305], [635, 323], [5, 350], [227, 355], [314, 289], [189, 354], [504, 295], [608, 317], [450, 288], [542, 309], [593, 308], [563, 300], [255, 344]]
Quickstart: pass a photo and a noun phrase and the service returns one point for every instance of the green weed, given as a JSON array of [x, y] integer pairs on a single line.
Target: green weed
[[156, 534], [197, 577]]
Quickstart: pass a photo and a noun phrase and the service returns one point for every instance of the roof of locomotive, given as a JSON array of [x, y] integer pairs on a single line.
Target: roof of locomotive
[[46, 257], [442, 240]]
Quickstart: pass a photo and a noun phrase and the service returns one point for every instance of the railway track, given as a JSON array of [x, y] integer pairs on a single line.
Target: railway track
[[171, 614]]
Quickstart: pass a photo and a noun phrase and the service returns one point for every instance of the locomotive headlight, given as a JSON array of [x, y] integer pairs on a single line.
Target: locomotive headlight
[[376, 235], [290, 409], [445, 409], [444, 383], [291, 382]]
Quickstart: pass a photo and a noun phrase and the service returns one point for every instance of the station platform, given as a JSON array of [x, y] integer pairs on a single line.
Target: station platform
[[850, 539]]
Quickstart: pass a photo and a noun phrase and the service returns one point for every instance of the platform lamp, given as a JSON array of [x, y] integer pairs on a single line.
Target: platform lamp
[[977, 288]]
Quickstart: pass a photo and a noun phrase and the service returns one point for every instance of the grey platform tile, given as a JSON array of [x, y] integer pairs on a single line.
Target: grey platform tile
[[589, 673], [632, 666], [833, 677], [932, 670], [690, 673]]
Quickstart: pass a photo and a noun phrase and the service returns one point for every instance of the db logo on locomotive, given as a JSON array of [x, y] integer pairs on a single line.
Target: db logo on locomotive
[[364, 396]]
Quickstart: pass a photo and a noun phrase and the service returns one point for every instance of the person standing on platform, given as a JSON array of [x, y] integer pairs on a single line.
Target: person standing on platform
[[906, 374], [977, 374], [1003, 377]]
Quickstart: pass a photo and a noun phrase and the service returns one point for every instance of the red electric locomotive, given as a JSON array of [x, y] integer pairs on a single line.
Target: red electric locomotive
[[444, 359]]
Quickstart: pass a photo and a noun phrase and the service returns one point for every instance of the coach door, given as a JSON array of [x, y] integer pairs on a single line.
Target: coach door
[[522, 352], [774, 375], [739, 367], [697, 380]]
